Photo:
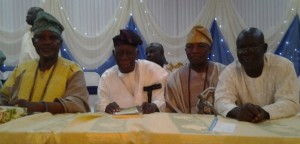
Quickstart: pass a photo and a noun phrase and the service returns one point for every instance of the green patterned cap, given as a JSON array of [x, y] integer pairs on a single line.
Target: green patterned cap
[[45, 21]]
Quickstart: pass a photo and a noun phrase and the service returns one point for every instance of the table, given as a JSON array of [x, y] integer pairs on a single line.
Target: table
[[165, 128]]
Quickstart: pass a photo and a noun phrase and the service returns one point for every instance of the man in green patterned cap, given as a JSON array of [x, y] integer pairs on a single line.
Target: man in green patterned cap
[[46, 21], [50, 84]]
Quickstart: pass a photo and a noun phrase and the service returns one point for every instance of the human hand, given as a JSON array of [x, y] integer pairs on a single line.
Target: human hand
[[263, 115], [18, 102], [112, 107], [252, 113], [148, 108], [31, 106]]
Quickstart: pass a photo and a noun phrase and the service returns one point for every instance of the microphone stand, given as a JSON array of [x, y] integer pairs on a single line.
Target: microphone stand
[[149, 90]]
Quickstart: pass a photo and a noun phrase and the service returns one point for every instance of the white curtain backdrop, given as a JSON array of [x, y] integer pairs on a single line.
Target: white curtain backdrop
[[90, 25]]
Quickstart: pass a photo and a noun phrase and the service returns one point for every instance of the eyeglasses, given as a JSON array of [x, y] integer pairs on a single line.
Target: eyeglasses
[[249, 50]]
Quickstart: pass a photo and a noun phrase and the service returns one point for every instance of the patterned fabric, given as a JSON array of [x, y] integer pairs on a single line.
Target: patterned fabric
[[199, 34], [45, 21], [172, 67], [8, 113]]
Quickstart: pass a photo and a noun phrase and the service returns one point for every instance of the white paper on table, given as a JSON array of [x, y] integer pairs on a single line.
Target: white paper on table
[[129, 111], [224, 127]]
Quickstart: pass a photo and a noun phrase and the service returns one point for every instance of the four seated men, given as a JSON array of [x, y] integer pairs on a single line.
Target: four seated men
[[256, 87]]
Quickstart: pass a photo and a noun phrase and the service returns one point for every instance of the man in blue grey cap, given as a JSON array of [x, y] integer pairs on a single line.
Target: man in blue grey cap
[[51, 83]]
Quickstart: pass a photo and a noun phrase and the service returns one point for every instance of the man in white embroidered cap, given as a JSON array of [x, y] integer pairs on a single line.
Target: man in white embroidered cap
[[185, 84], [131, 82], [51, 83]]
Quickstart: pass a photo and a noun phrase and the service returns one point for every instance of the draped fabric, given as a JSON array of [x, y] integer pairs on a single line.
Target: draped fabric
[[220, 50], [132, 26], [111, 60], [289, 46], [65, 52], [90, 26]]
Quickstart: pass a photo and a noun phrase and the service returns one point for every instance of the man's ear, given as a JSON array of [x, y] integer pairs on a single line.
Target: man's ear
[[33, 41], [265, 47], [137, 52], [61, 41], [113, 52]]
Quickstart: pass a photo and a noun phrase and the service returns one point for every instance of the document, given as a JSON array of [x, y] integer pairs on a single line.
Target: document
[[129, 111], [224, 127]]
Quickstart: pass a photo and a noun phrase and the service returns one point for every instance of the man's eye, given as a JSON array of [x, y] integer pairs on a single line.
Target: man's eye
[[189, 47], [202, 46], [54, 38], [39, 39]]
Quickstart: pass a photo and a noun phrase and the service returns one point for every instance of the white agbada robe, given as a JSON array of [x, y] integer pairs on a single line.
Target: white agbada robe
[[275, 90], [127, 89], [28, 51]]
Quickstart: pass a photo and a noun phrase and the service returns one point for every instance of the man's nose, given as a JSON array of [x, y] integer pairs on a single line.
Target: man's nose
[[196, 50], [47, 41]]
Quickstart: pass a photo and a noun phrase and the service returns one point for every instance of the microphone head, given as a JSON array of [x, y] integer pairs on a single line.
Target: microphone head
[[152, 87]]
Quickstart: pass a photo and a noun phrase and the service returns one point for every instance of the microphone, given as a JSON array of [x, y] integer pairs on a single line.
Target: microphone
[[149, 90]]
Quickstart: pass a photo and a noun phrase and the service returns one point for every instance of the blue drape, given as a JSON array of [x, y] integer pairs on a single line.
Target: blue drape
[[289, 47], [7, 68], [64, 50], [132, 26], [220, 50]]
